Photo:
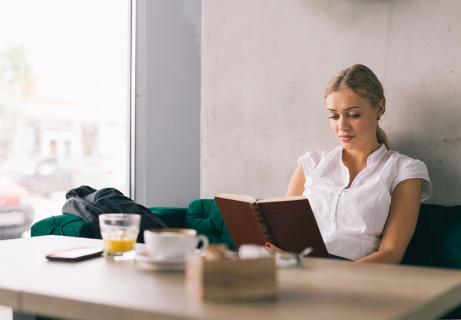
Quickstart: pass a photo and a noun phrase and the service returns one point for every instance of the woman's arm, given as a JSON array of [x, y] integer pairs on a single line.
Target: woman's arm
[[401, 223], [296, 185]]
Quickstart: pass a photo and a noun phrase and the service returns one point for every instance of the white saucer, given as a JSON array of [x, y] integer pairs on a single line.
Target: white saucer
[[144, 261]]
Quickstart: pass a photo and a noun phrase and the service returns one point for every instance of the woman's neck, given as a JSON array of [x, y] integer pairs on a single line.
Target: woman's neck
[[357, 158]]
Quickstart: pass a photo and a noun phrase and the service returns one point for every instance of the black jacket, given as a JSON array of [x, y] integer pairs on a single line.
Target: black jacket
[[88, 204]]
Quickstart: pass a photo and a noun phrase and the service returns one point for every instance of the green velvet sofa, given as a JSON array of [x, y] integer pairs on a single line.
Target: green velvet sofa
[[436, 242]]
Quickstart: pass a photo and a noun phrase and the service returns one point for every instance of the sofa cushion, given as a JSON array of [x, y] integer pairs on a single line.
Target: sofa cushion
[[203, 215], [437, 238], [172, 217]]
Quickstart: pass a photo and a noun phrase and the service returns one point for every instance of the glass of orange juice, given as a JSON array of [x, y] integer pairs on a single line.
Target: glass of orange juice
[[119, 232]]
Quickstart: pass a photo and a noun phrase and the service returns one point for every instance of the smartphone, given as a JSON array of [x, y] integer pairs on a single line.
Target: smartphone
[[75, 254]]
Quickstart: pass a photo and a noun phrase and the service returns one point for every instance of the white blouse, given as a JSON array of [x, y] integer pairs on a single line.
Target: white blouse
[[351, 220]]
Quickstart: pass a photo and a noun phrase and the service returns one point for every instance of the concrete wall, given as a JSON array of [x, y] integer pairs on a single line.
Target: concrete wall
[[167, 102], [265, 64]]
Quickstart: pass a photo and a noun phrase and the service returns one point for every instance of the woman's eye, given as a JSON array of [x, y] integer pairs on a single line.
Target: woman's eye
[[332, 117], [354, 115]]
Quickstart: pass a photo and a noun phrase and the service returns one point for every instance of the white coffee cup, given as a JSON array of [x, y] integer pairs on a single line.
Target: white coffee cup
[[173, 244]]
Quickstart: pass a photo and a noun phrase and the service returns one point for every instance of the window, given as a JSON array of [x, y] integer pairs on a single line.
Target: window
[[64, 104]]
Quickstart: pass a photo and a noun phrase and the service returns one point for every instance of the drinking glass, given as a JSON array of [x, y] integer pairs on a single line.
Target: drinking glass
[[119, 232]]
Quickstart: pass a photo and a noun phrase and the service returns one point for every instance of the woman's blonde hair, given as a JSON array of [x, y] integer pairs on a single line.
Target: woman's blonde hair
[[364, 83]]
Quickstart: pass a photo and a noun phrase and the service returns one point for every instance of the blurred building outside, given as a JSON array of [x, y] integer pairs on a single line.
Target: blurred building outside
[[61, 129]]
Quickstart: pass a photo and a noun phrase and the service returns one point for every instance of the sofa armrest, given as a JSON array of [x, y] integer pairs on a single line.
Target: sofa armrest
[[62, 225], [204, 216]]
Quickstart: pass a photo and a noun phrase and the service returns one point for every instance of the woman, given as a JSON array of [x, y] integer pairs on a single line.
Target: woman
[[365, 197]]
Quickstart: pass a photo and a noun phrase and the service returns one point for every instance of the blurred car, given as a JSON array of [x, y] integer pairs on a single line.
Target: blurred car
[[16, 214], [49, 175]]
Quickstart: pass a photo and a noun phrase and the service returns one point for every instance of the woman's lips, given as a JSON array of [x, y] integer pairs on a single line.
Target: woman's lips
[[346, 138]]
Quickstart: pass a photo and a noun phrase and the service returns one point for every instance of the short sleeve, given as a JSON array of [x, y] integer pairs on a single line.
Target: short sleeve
[[310, 160], [411, 168]]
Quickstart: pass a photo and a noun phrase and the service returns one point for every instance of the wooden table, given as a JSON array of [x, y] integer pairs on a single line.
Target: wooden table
[[103, 289]]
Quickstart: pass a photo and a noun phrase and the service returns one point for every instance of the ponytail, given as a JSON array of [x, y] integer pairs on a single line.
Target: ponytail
[[382, 137]]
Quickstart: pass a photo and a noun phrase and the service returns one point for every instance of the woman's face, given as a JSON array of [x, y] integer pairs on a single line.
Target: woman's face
[[352, 119]]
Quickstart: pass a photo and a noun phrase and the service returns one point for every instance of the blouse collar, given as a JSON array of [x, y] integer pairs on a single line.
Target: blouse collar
[[377, 154], [373, 157]]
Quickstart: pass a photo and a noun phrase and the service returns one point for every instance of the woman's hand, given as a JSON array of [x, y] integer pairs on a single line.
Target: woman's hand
[[401, 223]]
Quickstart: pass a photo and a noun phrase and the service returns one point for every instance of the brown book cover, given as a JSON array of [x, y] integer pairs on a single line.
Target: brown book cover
[[287, 222]]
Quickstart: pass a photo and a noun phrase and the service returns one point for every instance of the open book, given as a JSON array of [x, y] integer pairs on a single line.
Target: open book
[[287, 222]]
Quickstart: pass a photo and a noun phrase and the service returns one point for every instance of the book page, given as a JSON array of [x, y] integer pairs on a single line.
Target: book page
[[237, 197], [281, 199]]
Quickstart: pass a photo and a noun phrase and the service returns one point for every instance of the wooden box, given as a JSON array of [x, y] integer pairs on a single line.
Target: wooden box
[[231, 279]]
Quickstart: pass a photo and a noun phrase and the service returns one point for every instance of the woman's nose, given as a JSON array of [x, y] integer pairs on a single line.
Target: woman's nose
[[343, 124]]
